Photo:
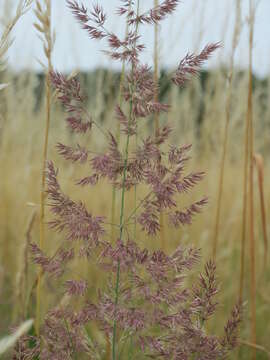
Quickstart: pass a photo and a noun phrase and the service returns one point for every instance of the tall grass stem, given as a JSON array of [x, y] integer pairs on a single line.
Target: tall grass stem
[[122, 208], [251, 180], [45, 19], [260, 171], [227, 123]]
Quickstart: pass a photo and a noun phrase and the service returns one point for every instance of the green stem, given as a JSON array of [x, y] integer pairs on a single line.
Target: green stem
[[121, 234], [122, 78], [123, 206], [136, 145], [130, 352]]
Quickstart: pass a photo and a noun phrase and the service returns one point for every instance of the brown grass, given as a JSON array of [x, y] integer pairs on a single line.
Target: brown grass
[[251, 181], [260, 171]]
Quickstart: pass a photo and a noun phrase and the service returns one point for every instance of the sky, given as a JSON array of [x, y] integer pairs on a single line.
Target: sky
[[193, 25]]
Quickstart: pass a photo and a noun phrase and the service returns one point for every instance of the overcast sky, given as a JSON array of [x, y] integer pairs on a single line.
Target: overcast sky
[[195, 23]]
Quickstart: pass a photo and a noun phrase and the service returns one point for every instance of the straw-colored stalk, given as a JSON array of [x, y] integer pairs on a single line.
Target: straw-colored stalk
[[244, 212], [236, 34], [245, 188], [251, 181], [44, 28], [260, 171]]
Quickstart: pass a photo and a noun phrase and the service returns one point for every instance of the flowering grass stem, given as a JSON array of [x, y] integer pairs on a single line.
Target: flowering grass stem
[[136, 137], [118, 134], [120, 238], [122, 209]]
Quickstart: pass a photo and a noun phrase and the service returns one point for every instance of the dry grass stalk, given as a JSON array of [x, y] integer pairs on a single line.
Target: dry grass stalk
[[260, 170], [244, 213], [44, 28], [245, 193], [251, 180], [237, 31]]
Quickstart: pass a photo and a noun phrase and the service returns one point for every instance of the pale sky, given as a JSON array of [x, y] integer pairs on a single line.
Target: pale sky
[[195, 23]]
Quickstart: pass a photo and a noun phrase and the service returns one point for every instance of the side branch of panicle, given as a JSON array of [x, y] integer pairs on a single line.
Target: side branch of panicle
[[55, 265], [185, 217], [68, 91], [97, 17], [77, 154], [231, 329], [191, 64], [155, 14], [71, 217], [204, 293]]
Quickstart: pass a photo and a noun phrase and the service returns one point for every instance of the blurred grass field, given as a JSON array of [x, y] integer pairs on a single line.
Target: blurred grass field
[[198, 115]]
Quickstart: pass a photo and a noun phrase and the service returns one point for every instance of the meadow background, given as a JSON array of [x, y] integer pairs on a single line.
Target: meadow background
[[198, 116]]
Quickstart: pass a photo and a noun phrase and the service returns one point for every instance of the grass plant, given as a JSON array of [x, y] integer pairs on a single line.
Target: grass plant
[[196, 113]]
